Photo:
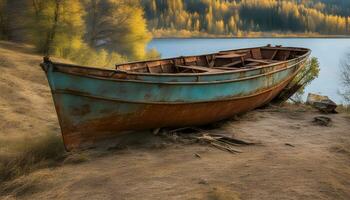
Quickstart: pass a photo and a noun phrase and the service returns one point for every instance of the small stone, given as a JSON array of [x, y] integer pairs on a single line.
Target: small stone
[[322, 120], [203, 182]]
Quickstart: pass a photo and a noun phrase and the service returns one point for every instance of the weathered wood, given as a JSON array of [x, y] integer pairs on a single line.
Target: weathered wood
[[231, 55], [256, 53], [231, 139], [258, 61], [232, 64], [200, 68], [227, 148], [253, 64], [283, 48], [274, 54], [228, 68], [212, 62]]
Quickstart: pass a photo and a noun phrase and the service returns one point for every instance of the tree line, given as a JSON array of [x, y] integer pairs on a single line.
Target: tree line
[[94, 32], [237, 17]]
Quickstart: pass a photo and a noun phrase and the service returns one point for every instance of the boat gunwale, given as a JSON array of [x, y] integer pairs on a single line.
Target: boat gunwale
[[189, 83], [155, 60], [307, 53]]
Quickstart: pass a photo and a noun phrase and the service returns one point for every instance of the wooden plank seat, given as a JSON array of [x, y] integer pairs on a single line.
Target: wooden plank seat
[[253, 64], [244, 52], [230, 55], [259, 61], [200, 68], [228, 68], [232, 64]]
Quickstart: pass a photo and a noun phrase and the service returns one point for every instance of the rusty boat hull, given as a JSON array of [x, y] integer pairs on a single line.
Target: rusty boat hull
[[95, 104]]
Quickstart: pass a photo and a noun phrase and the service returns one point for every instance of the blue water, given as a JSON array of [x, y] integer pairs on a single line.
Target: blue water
[[329, 52]]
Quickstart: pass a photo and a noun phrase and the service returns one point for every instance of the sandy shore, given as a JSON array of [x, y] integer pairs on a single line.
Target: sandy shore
[[294, 158]]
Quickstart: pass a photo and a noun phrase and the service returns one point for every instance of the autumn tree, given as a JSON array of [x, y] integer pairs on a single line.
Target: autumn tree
[[57, 26], [315, 16], [117, 25]]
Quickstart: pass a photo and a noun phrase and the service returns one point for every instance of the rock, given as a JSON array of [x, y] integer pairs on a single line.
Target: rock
[[322, 103], [322, 120], [203, 182]]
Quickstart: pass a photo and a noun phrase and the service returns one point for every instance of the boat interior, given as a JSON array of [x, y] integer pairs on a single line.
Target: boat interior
[[218, 62]]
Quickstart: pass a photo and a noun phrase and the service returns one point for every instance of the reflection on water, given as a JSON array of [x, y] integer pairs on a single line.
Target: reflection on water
[[328, 51]]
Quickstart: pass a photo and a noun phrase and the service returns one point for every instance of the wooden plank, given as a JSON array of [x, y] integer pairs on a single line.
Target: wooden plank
[[233, 51], [283, 48], [200, 68], [231, 55], [190, 59], [274, 54], [153, 63], [258, 61], [212, 62], [253, 64], [227, 68], [232, 64], [286, 55], [256, 53]]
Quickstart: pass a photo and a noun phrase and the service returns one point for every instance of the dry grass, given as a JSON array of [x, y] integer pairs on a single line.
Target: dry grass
[[25, 155], [76, 158], [343, 108], [223, 194], [22, 185], [342, 149]]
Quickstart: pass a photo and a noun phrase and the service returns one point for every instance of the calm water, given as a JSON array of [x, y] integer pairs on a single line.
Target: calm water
[[328, 51]]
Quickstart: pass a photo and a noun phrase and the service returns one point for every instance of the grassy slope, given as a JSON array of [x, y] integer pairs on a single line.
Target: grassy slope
[[29, 132], [25, 97]]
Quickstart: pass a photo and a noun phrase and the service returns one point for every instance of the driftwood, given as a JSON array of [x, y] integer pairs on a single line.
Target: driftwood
[[197, 135]]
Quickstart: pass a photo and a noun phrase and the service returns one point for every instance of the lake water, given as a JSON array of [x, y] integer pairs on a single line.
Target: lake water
[[329, 52]]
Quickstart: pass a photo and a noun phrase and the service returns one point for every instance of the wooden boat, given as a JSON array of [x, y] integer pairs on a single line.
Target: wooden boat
[[93, 104]]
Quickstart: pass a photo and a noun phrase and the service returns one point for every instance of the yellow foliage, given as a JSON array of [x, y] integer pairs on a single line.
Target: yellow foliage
[[252, 16]]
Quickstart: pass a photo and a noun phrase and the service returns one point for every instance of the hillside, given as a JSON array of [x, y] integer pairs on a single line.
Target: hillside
[[293, 158], [26, 107], [247, 18]]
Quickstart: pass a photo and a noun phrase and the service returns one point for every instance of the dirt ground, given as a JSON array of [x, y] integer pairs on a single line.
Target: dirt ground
[[294, 158]]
